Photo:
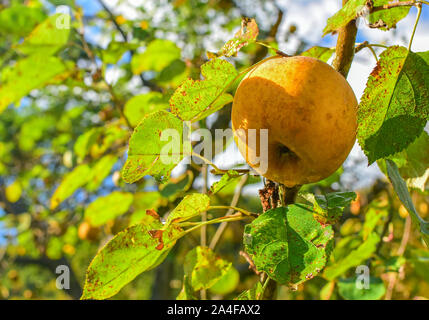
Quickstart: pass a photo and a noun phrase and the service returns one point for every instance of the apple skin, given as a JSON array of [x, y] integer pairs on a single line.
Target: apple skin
[[309, 110]]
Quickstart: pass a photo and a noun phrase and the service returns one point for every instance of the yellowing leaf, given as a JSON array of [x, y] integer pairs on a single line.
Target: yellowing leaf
[[31, 73], [196, 99], [13, 191], [227, 283], [191, 206], [158, 55], [139, 106], [48, 37], [137, 249], [204, 267], [351, 10], [120, 19], [70, 183], [100, 170], [151, 152]]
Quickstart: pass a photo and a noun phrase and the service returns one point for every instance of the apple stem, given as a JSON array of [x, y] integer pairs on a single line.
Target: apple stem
[[288, 195]]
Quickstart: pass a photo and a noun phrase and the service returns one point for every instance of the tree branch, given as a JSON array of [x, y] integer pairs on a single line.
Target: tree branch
[[345, 48], [397, 4], [234, 202]]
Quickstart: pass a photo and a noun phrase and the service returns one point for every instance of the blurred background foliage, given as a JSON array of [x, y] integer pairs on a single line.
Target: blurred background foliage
[[113, 71]]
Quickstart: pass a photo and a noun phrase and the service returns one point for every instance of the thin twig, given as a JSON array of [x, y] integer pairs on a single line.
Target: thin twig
[[419, 12], [234, 202], [399, 4], [206, 161], [405, 236], [250, 262], [149, 84], [394, 276], [117, 103], [203, 240], [204, 214], [242, 211]]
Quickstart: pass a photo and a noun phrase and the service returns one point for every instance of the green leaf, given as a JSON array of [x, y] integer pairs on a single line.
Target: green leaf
[[395, 105], [144, 154], [187, 293], [158, 55], [174, 74], [419, 259], [115, 50], [228, 283], [28, 74], [394, 263], [177, 187], [139, 106], [33, 131], [48, 37], [348, 290], [252, 294], [70, 183], [288, 244], [321, 53], [19, 19], [402, 191], [229, 177], [372, 217], [108, 207], [110, 135], [137, 249], [351, 10], [413, 162], [100, 170], [204, 267], [196, 99], [329, 208], [355, 258], [387, 19], [191, 206], [85, 141], [248, 33]]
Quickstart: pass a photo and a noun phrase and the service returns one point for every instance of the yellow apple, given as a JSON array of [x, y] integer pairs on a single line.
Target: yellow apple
[[309, 110]]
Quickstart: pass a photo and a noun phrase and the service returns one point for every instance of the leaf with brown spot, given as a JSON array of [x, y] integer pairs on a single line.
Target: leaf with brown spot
[[146, 146], [394, 108], [137, 249], [203, 267], [288, 243], [248, 33], [194, 100], [192, 205]]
